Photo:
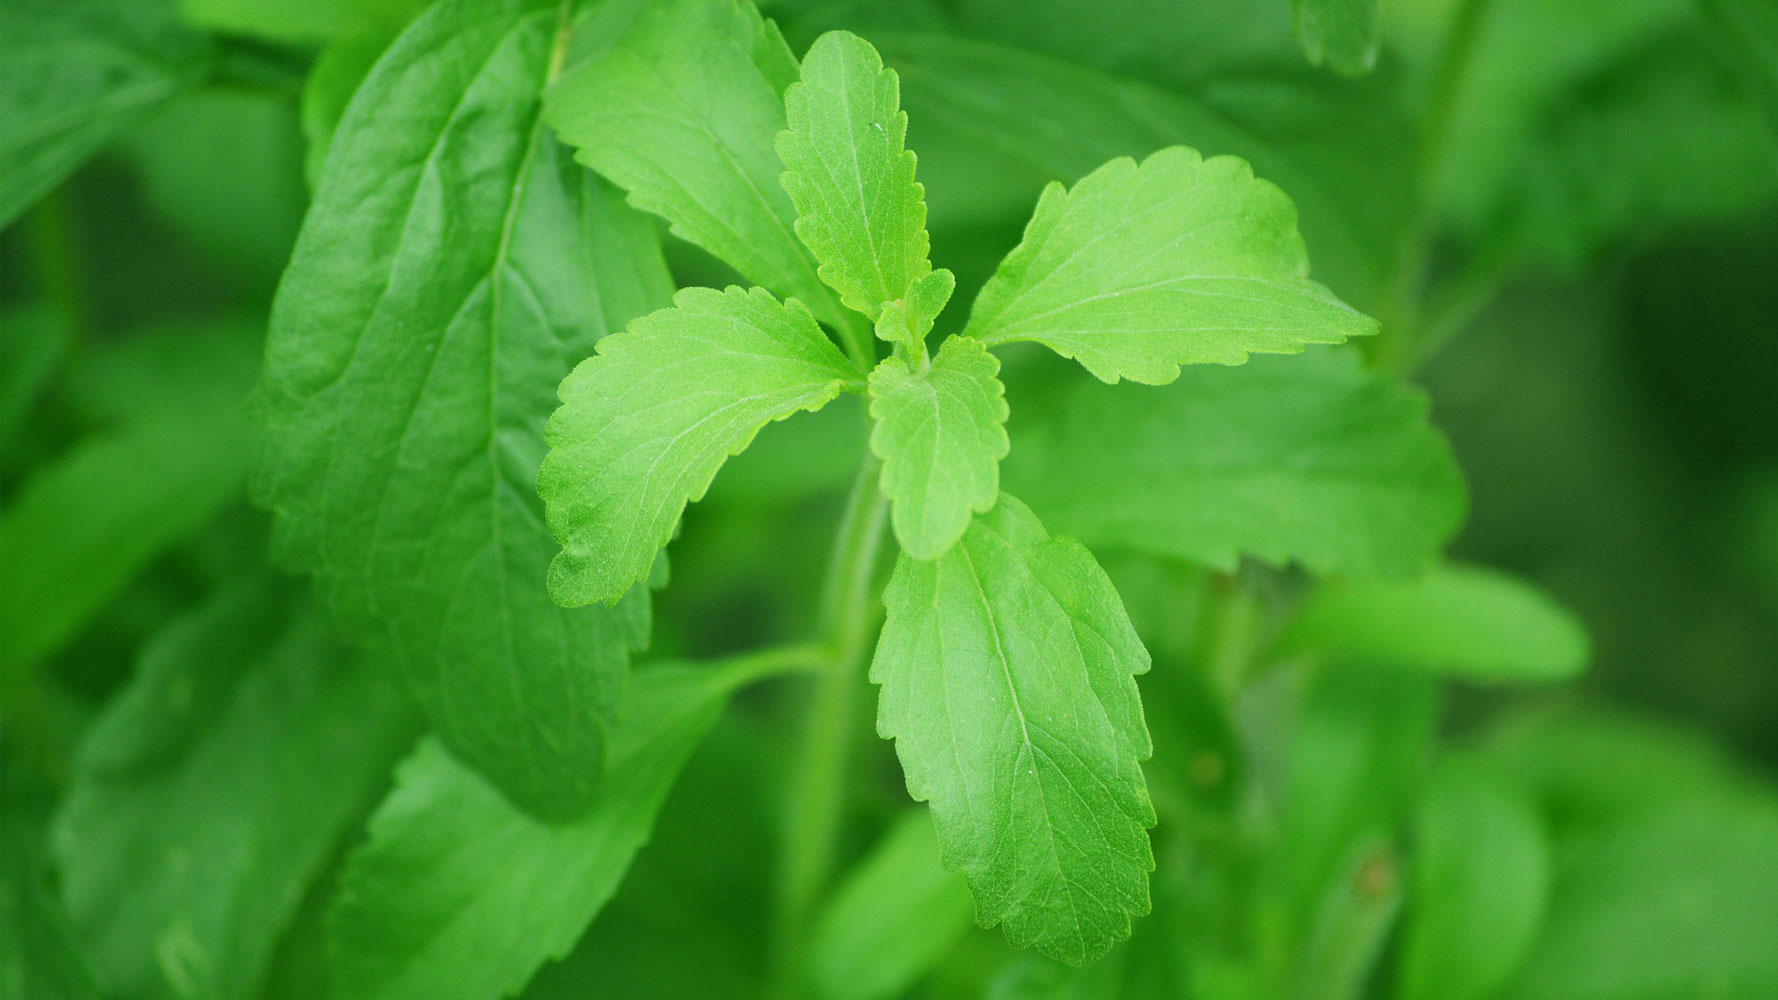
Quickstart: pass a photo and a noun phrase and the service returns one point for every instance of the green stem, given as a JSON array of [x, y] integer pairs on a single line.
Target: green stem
[[776, 661], [817, 789], [858, 340]]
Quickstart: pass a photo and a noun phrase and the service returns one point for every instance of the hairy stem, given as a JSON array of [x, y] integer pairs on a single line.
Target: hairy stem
[[817, 785]]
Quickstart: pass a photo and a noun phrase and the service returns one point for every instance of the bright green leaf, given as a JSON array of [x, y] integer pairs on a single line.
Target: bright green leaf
[[681, 111], [459, 896], [73, 73], [1461, 620], [455, 265], [645, 425], [907, 320], [1310, 458], [214, 789], [941, 433], [859, 209], [891, 919], [1140, 269], [1340, 34], [1479, 880], [1006, 673]]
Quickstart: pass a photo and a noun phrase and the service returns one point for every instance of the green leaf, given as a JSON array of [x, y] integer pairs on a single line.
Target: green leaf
[[335, 76], [32, 343], [1748, 29], [1479, 881], [1311, 459], [907, 320], [83, 525], [214, 789], [454, 266], [300, 20], [1676, 903], [459, 896], [72, 74], [1005, 669], [941, 433], [859, 209], [891, 919], [38, 954], [646, 423], [1141, 269], [1340, 34], [681, 111], [1462, 621]]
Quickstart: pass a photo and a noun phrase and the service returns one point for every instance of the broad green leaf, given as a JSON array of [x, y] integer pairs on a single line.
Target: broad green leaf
[[1479, 881], [83, 525], [333, 79], [859, 209], [459, 896], [1139, 269], [994, 125], [907, 320], [1309, 459], [72, 74], [1340, 34], [681, 111], [1464, 621], [891, 919], [214, 789], [454, 266], [941, 433], [646, 423], [1677, 903], [1006, 673], [32, 342], [1749, 30], [299, 20]]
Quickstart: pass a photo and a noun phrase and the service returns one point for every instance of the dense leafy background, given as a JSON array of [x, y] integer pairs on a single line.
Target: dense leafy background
[[1368, 588]]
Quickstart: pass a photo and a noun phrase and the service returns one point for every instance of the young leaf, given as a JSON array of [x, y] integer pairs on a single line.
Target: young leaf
[[455, 264], [1479, 881], [1339, 34], [891, 919], [681, 111], [1460, 620], [941, 434], [73, 73], [459, 896], [1140, 269], [907, 320], [1005, 669], [1311, 459], [214, 789], [646, 423], [859, 209]]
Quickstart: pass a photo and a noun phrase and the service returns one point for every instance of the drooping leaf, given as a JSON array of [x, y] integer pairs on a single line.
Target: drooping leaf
[[457, 895], [1006, 674], [1460, 620], [681, 111], [1308, 459], [83, 525], [1479, 880], [300, 20], [941, 434], [214, 790], [455, 265], [1139, 269], [72, 74], [891, 919], [647, 422], [859, 209], [1340, 34]]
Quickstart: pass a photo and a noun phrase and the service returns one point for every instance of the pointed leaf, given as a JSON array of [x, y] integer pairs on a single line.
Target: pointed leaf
[[1140, 269], [459, 896], [1006, 669], [1310, 458], [858, 206], [645, 425], [454, 266], [681, 111], [941, 434]]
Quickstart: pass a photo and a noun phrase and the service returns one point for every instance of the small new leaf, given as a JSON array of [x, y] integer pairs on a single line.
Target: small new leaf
[[1141, 269], [941, 434], [1340, 34], [1006, 671], [858, 206], [907, 320], [646, 423]]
